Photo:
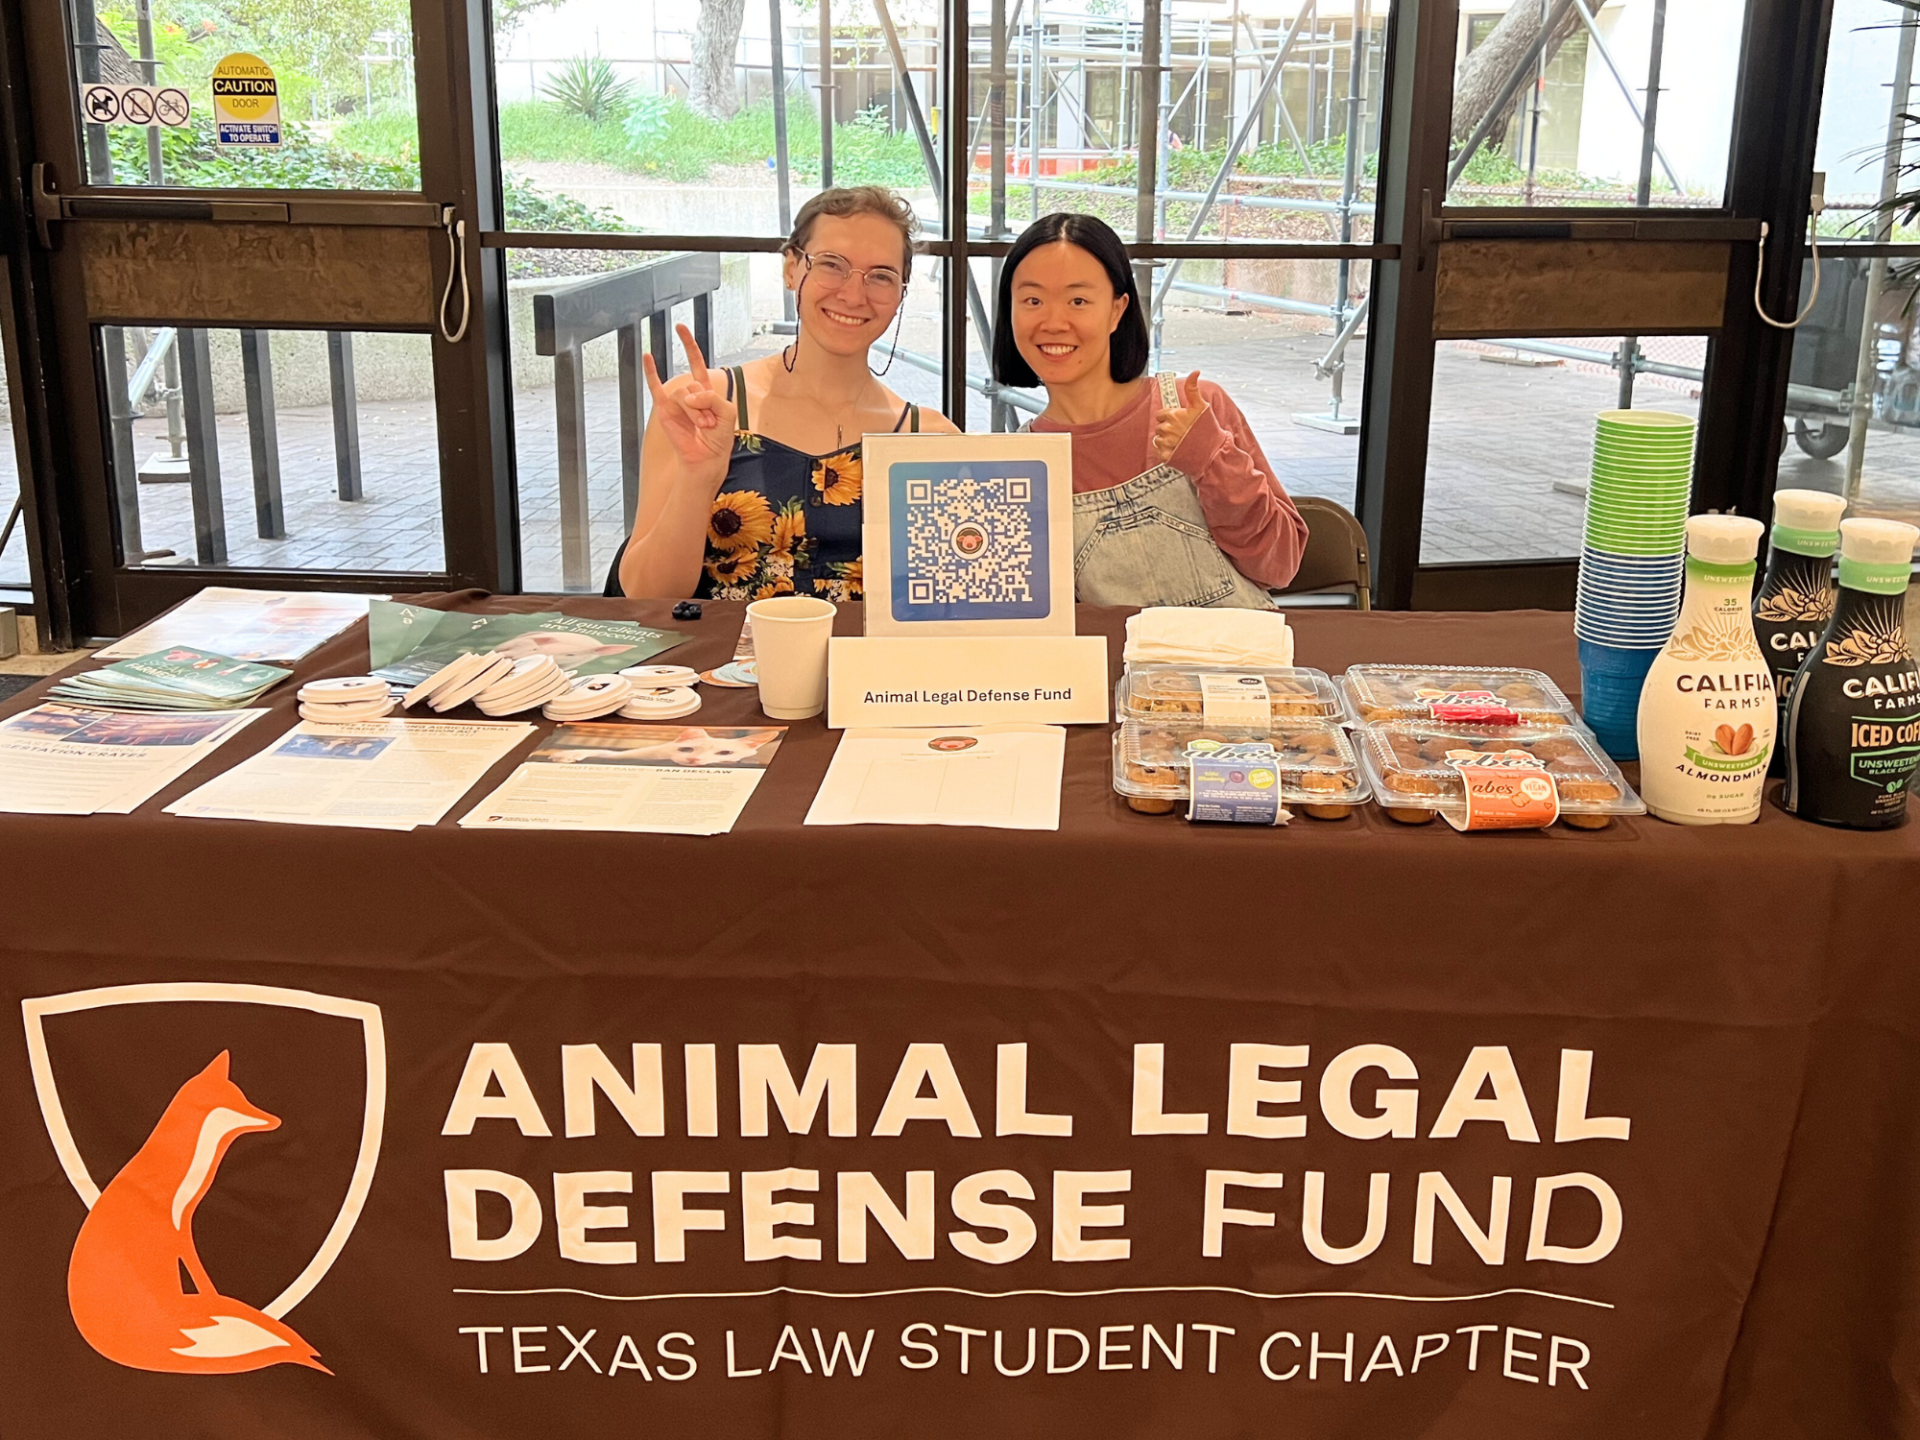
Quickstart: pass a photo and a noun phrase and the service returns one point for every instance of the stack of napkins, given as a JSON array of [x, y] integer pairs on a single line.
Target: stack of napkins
[[181, 678], [1177, 635]]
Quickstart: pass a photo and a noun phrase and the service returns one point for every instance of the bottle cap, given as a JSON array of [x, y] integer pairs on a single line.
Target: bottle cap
[[1723, 539], [1807, 522], [1878, 542], [1876, 555]]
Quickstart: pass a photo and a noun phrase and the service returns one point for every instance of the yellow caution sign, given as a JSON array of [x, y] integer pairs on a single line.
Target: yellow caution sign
[[246, 102]]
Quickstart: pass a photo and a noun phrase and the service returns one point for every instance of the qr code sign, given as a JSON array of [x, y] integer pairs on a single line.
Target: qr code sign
[[969, 541]]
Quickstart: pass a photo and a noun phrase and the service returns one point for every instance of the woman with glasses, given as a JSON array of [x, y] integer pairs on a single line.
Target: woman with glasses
[[1174, 503], [750, 477]]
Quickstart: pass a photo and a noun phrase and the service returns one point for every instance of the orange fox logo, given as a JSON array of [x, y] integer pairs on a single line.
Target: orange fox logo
[[124, 1281]]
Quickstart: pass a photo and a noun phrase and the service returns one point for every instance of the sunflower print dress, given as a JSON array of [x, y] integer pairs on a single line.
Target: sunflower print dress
[[785, 522]]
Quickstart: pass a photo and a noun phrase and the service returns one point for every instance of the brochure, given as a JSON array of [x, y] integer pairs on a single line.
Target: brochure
[[407, 643], [660, 779], [1004, 777], [180, 678], [246, 624], [376, 775], [78, 760]]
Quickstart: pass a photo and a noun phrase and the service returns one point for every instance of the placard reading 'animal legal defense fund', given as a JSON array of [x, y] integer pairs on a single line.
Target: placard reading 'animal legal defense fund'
[[367, 1201]]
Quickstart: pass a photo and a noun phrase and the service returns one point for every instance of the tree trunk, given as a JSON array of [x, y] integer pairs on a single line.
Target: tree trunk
[[716, 39], [1484, 72]]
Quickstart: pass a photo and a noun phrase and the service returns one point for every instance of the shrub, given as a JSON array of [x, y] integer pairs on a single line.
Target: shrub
[[648, 120], [189, 157], [868, 152], [529, 208], [589, 87]]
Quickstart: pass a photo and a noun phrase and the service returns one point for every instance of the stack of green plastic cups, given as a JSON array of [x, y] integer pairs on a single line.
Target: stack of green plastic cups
[[1632, 563]]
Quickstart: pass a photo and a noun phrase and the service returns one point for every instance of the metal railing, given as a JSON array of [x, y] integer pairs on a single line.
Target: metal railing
[[177, 369], [565, 318]]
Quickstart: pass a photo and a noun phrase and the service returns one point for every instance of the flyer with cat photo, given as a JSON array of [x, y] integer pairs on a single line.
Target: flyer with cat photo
[[654, 779]]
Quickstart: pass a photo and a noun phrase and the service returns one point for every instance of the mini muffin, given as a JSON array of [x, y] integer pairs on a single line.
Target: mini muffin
[[1152, 805], [1414, 783], [1553, 749], [1323, 780], [1166, 693], [1595, 789]]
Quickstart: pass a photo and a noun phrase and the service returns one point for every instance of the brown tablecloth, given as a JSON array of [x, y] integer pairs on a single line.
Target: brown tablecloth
[[1741, 1002]]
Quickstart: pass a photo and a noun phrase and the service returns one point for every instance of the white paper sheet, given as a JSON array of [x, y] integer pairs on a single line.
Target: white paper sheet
[[658, 779], [377, 775], [658, 801], [77, 760], [247, 624], [1004, 777]]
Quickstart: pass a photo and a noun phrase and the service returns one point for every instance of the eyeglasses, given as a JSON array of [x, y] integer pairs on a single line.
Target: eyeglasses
[[884, 285]]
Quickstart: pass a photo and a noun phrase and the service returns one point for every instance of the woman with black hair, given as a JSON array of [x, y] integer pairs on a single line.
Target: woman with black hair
[[1174, 503]]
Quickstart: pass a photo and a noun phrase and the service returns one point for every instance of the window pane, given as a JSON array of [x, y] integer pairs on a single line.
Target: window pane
[[1860, 112], [13, 550], [1551, 111], [607, 124], [344, 81], [1853, 402], [1265, 332], [1511, 436], [577, 423], [1066, 133], [274, 449], [1851, 430]]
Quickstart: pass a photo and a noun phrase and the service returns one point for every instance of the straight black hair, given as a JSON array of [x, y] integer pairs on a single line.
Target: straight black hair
[[1131, 348]]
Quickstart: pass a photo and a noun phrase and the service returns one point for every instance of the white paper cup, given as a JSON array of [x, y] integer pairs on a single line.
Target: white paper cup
[[790, 645]]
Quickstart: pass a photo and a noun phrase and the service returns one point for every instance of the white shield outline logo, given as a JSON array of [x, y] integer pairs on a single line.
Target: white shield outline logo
[[34, 1011]]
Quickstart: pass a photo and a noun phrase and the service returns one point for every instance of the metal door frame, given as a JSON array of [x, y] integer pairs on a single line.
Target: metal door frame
[[81, 552]]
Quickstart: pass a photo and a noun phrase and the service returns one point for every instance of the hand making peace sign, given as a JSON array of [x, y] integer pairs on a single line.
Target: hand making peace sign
[[1170, 426], [692, 414]]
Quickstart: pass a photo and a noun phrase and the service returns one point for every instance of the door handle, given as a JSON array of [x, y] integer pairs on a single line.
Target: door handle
[[46, 205]]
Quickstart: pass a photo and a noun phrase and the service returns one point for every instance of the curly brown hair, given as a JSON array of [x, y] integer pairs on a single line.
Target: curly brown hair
[[843, 201]]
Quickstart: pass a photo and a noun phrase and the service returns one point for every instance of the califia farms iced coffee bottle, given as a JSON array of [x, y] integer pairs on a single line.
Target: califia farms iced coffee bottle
[[1707, 714], [1796, 594], [1853, 723]]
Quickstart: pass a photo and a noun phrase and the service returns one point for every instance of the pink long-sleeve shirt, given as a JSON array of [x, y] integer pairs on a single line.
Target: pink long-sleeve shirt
[[1252, 520]]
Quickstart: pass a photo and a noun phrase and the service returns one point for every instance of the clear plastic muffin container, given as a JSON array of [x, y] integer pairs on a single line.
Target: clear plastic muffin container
[[1319, 773], [1454, 694], [1208, 695], [1406, 764]]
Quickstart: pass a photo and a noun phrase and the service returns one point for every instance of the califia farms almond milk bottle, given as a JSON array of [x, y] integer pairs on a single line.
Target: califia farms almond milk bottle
[[1707, 712]]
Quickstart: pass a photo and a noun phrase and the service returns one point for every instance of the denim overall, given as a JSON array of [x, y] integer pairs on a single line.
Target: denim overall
[[1146, 542]]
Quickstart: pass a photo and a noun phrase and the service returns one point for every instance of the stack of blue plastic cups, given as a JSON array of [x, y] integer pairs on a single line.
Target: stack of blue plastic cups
[[1632, 565]]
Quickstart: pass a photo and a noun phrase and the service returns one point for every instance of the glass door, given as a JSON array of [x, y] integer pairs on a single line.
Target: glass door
[[257, 221]]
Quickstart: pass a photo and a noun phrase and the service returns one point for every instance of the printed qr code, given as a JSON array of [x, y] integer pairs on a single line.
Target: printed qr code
[[969, 541]]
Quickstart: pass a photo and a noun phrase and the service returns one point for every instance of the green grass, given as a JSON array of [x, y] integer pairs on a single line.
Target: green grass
[[393, 135], [538, 130], [678, 143]]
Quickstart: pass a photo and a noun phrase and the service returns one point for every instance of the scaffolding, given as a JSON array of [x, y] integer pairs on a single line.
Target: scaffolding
[[1064, 93], [1044, 117]]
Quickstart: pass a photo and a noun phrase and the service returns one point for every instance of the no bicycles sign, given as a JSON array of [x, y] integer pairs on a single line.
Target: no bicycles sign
[[135, 105], [246, 102]]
